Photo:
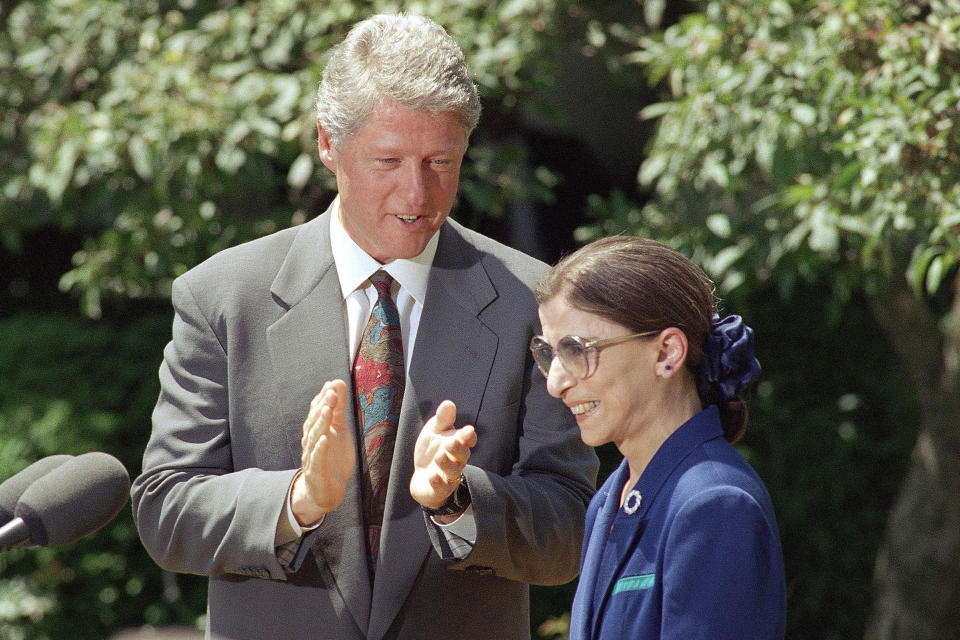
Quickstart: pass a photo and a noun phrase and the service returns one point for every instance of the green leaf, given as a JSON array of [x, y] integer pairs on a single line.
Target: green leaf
[[846, 175], [939, 267], [300, 171], [651, 169], [919, 266], [804, 114], [656, 110], [719, 224], [140, 157]]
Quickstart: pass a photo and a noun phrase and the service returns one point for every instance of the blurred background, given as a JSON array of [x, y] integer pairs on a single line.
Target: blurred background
[[804, 153]]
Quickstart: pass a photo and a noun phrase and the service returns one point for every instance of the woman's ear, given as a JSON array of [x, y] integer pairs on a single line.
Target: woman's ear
[[673, 351]]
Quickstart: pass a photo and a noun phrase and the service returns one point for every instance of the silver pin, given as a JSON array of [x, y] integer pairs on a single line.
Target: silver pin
[[632, 503]]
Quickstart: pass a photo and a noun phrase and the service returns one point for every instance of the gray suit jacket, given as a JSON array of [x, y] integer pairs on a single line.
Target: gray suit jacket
[[257, 331]]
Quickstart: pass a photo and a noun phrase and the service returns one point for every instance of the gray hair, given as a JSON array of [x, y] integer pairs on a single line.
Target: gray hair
[[407, 59]]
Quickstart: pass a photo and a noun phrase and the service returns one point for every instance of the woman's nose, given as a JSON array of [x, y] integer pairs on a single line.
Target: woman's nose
[[558, 379]]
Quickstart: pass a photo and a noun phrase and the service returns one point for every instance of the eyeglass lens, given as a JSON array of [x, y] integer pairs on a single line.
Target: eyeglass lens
[[570, 350]]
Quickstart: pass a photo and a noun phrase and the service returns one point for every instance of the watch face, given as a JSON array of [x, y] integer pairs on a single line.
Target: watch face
[[459, 500], [461, 497]]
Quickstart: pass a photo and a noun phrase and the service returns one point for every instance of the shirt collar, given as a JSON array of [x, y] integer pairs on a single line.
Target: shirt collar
[[355, 266]]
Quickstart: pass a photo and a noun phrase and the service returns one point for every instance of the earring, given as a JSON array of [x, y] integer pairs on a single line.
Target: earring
[[668, 367]]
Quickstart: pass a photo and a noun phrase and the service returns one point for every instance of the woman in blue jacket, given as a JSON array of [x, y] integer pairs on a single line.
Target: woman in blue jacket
[[681, 540]]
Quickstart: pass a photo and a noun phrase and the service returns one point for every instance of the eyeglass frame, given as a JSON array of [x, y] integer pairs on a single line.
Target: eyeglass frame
[[588, 346]]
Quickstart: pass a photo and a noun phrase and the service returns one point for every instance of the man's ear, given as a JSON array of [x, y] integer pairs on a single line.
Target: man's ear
[[325, 148], [673, 351]]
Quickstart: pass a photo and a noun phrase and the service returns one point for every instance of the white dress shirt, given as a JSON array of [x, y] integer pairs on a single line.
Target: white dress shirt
[[409, 290]]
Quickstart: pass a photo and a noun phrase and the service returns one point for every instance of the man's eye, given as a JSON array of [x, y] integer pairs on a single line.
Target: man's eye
[[444, 164]]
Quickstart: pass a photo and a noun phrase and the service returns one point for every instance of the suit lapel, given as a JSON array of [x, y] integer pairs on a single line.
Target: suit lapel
[[452, 358], [582, 611], [308, 346], [308, 341], [455, 350], [651, 481]]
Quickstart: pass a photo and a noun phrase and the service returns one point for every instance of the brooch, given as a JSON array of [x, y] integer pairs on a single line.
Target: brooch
[[632, 503]]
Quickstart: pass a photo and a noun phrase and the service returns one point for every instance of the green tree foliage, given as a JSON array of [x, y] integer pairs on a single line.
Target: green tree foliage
[[72, 386], [167, 130], [830, 421], [815, 134], [808, 142], [802, 154]]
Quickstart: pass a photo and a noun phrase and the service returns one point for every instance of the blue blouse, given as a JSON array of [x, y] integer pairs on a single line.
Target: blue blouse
[[698, 557]]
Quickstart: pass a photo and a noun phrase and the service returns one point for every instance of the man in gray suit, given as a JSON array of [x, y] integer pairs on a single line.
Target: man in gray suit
[[252, 475]]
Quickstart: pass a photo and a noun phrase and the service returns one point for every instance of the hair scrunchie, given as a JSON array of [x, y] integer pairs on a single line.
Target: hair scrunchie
[[728, 361]]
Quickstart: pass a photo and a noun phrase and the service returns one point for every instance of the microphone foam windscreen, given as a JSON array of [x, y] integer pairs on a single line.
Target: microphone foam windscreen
[[13, 487], [74, 499]]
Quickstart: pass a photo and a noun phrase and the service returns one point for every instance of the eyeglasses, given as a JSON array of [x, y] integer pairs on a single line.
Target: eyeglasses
[[576, 354]]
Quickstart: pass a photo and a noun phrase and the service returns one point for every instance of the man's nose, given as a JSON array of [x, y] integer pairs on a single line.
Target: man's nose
[[415, 183]]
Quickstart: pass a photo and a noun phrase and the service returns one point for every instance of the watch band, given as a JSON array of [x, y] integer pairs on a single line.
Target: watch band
[[458, 501]]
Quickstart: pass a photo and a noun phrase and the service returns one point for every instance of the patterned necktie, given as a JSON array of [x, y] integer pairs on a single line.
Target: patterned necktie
[[378, 382]]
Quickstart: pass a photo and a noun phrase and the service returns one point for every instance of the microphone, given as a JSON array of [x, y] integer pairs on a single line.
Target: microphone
[[14, 486], [75, 499]]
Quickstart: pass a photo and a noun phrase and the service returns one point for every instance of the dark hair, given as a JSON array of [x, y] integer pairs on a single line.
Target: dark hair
[[644, 285]]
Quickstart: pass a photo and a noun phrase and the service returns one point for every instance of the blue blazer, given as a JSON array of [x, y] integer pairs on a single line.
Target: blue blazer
[[700, 556]]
